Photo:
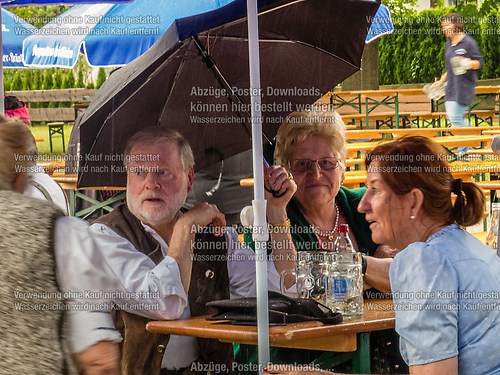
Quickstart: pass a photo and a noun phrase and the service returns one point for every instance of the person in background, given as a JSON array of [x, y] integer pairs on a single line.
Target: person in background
[[40, 185], [219, 184], [177, 260], [463, 60], [16, 108], [42, 254], [445, 282]]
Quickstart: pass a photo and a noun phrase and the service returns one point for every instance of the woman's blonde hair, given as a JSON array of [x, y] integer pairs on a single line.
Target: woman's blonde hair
[[299, 126], [17, 150]]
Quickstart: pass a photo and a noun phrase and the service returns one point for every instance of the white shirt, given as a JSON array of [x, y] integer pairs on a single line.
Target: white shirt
[[49, 186], [80, 272], [134, 271]]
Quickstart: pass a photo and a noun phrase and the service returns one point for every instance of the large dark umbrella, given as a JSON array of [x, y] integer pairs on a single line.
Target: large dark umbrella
[[196, 79]]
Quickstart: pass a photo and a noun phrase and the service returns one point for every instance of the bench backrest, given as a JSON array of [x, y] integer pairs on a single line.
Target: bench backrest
[[42, 112]]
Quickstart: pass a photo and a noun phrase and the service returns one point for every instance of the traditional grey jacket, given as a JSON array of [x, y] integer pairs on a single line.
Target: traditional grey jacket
[[31, 308]]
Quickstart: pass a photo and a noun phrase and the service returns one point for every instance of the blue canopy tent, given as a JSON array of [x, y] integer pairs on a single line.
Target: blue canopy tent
[[109, 35], [40, 2], [14, 31]]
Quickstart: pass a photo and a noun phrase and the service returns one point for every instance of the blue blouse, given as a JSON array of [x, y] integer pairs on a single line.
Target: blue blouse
[[447, 301]]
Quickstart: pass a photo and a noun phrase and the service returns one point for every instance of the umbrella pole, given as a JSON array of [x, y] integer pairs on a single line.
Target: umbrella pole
[[260, 231]]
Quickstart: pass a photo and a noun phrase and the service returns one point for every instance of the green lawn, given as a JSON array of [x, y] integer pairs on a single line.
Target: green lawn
[[42, 132]]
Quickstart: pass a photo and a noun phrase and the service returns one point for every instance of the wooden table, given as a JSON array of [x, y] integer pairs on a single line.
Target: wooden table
[[80, 107], [464, 170], [371, 100], [390, 98], [354, 149], [425, 132], [492, 132], [68, 182], [378, 315], [482, 94]]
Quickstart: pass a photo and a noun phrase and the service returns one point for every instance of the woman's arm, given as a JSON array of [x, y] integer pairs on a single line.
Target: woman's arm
[[445, 367], [377, 273]]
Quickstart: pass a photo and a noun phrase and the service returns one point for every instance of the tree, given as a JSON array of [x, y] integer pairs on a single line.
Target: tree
[[68, 80], [401, 8], [101, 77], [28, 79], [80, 83], [38, 80], [58, 79], [48, 80], [39, 16], [17, 82]]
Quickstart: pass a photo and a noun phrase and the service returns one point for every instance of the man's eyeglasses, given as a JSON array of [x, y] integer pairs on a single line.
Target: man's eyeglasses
[[303, 165]]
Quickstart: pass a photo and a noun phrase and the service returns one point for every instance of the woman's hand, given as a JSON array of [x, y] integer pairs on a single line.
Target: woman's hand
[[279, 181], [384, 251]]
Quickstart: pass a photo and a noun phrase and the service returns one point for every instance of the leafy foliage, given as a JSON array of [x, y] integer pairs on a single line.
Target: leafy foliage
[[101, 77], [37, 15]]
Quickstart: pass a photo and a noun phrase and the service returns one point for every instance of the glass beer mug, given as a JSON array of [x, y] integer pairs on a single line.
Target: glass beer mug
[[311, 275]]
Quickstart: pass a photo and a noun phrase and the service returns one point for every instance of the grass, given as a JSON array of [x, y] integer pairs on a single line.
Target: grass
[[42, 132]]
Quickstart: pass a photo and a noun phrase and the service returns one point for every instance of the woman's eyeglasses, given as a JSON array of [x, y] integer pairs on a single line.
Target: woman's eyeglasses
[[303, 165]]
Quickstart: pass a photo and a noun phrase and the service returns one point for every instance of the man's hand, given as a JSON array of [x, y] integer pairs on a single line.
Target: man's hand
[[201, 215], [185, 229], [102, 358]]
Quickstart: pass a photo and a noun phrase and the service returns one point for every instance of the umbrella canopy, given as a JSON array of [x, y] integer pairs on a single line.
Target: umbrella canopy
[[381, 24], [108, 35], [14, 30], [196, 79]]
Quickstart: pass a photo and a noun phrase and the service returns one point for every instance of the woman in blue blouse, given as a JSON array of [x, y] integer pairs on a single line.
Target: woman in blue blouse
[[445, 282]]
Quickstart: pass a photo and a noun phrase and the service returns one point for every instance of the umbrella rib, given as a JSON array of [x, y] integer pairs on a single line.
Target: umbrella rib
[[297, 42], [310, 46], [211, 64]]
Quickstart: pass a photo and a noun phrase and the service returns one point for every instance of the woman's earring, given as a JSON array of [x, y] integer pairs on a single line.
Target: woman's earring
[[412, 217]]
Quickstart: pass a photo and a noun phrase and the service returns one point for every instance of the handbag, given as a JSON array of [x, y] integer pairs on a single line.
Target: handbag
[[282, 310]]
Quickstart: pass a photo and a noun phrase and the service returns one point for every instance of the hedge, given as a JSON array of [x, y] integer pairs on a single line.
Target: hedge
[[414, 53]]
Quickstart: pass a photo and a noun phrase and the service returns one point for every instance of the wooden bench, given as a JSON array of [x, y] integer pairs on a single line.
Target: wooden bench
[[38, 103], [425, 132], [381, 118], [433, 119], [482, 116]]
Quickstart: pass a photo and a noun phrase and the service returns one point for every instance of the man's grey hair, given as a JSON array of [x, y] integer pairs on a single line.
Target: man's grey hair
[[154, 135]]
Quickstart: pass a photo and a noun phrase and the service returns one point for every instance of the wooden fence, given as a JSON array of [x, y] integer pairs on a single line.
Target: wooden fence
[[75, 98]]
